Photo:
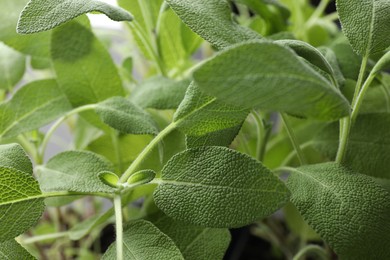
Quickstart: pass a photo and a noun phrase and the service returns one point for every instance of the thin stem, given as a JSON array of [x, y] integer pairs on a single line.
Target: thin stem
[[141, 157], [115, 144], [26, 144], [360, 97], [331, 17], [360, 79], [54, 127], [317, 12], [163, 7], [260, 132], [293, 139], [118, 227], [311, 249], [42, 238], [293, 153]]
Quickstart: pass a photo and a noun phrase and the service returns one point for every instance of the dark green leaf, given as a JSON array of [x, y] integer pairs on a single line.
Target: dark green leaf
[[348, 60], [43, 15], [11, 250], [269, 76], [348, 210], [382, 64], [239, 189]]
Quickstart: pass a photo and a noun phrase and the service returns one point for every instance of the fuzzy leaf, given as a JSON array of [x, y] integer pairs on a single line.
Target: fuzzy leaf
[[366, 23], [348, 60], [43, 15], [121, 114], [270, 76], [239, 189], [199, 114], [160, 93], [348, 210], [142, 240], [33, 106], [13, 156], [195, 243], [10, 250], [12, 67], [222, 137], [212, 20], [76, 171]]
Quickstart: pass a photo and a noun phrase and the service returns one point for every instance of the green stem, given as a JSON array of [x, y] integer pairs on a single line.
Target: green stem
[[317, 12], [293, 153], [118, 227], [163, 7], [42, 238], [360, 79], [115, 144], [331, 17], [360, 97], [30, 149], [145, 152], [311, 249], [54, 127], [293, 139], [263, 133]]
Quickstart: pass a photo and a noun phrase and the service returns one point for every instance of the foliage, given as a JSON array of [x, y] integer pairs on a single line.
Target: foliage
[[197, 130]]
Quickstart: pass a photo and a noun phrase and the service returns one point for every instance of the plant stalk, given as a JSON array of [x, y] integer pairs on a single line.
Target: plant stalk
[[118, 227], [312, 250], [293, 139]]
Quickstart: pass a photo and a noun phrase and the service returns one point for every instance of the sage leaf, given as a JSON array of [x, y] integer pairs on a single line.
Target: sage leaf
[[348, 60], [382, 64], [195, 243], [239, 189], [10, 250], [13, 156], [348, 210], [331, 57], [368, 145], [212, 20], [34, 105], [12, 67], [141, 177], [122, 115], [269, 76], [366, 27], [109, 178], [222, 137], [142, 240], [82, 175], [43, 15], [199, 114], [160, 93]]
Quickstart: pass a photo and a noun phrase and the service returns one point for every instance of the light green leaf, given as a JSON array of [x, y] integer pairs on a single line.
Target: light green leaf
[[33, 106], [160, 93], [382, 64], [109, 178], [121, 114], [348, 60], [21, 201], [239, 189], [366, 27], [195, 243], [84, 68], [199, 114], [222, 137], [11, 250], [37, 45], [142, 240], [141, 177], [348, 210], [368, 145], [269, 76], [74, 171], [43, 15], [212, 20], [12, 67]]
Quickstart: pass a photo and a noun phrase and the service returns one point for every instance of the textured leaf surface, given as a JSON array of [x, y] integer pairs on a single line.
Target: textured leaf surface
[[121, 114], [33, 106], [348, 60], [348, 210], [199, 114], [366, 23], [42, 15], [195, 243], [13, 156], [218, 187], [12, 67], [160, 93], [222, 137], [11, 250], [212, 20], [75, 171], [272, 77], [142, 240], [368, 145]]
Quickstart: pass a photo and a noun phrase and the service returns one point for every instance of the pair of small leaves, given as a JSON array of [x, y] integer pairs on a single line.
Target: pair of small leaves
[[138, 178], [218, 187], [348, 210]]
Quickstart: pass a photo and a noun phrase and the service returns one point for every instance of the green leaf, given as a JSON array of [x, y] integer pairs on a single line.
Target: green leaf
[[109, 178], [35, 105], [348, 60], [331, 57], [84, 68], [12, 67], [222, 137], [382, 64], [142, 240], [121, 114], [160, 93], [212, 20], [367, 27], [43, 15], [348, 210], [13, 156], [74, 171], [141, 177], [195, 243], [10, 250], [239, 189], [368, 145], [269, 76], [199, 114]]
